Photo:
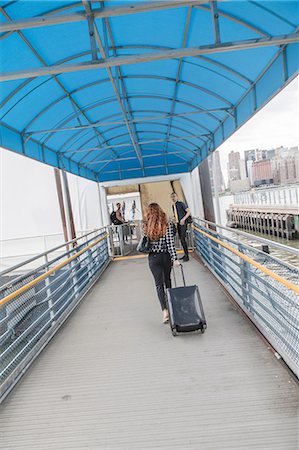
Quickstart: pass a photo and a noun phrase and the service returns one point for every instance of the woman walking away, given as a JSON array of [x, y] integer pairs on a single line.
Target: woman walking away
[[161, 251]]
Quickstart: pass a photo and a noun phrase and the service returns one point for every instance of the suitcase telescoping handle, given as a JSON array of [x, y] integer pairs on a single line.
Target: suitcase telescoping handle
[[183, 276]]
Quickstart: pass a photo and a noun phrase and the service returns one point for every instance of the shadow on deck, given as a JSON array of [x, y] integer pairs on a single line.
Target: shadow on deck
[[115, 378]]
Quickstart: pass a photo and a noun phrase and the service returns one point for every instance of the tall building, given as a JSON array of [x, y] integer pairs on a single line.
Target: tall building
[[217, 173], [250, 171], [256, 155], [262, 172], [261, 154], [237, 174], [243, 171], [249, 155], [285, 165], [234, 166]]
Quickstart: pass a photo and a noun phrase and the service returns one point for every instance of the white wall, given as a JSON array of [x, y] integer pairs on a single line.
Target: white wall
[[28, 198], [85, 200]]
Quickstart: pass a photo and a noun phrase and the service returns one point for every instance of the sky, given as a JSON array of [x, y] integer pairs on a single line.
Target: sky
[[273, 126]]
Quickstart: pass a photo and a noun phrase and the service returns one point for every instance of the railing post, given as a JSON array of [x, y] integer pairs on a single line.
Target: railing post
[[246, 295], [89, 263], [73, 271], [49, 293], [121, 240]]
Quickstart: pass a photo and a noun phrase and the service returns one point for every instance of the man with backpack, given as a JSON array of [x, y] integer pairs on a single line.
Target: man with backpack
[[116, 217]]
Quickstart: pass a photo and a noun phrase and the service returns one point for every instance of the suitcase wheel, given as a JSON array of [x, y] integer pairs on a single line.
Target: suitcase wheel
[[174, 333], [203, 329]]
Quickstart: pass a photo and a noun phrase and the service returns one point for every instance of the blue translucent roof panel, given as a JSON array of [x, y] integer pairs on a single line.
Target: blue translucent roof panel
[[116, 90]]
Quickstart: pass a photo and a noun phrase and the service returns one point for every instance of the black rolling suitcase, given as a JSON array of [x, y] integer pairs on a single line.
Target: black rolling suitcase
[[185, 308]]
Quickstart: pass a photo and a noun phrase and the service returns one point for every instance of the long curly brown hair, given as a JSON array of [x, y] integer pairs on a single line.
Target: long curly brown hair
[[155, 223]]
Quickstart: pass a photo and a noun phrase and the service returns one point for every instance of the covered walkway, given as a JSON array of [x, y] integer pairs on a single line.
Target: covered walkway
[[114, 377]]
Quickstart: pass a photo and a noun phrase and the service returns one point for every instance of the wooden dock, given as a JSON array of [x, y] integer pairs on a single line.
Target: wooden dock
[[278, 220]]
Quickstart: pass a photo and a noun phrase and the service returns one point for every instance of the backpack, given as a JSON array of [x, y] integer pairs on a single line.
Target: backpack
[[113, 217]]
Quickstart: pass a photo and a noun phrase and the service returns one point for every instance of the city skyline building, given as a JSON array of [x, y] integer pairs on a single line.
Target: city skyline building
[[263, 167], [238, 177]]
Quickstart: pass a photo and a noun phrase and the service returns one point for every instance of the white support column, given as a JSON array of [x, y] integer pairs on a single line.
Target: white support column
[[100, 204], [66, 208], [188, 191], [197, 196], [104, 205]]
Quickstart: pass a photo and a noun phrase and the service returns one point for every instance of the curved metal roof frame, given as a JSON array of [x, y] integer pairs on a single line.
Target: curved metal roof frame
[[191, 72]]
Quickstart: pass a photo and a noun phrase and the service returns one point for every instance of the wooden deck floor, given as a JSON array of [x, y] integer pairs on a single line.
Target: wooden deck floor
[[114, 378]]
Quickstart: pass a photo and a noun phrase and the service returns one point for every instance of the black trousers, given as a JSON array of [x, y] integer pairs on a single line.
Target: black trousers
[[160, 265], [182, 230]]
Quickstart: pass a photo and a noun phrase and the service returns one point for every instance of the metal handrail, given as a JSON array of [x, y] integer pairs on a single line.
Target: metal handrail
[[249, 247], [251, 261], [54, 249], [42, 266], [257, 238], [37, 236], [49, 272]]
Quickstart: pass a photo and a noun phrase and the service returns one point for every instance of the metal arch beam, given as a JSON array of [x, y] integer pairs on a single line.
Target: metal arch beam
[[204, 58], [151, 141], [73, 102], [141, 131], [209, 132], [144, 111], [18, 89], [184, 82], [151, 167], [29, 80], [175, 145], [187, 83], [273, 13], [109, 162], [130, 158], [181, 138], [134, 120], [98, 171], [238, 20], [182, 148], [191, 105], [149, 57], [178, 155], [133, 8]]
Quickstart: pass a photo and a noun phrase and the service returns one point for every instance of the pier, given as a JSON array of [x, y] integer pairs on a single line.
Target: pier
[[271, 211]]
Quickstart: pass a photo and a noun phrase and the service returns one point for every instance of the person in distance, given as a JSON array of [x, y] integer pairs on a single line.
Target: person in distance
[[181, 212]]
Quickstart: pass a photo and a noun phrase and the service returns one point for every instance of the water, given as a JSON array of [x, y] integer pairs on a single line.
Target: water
[[226, 200]]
